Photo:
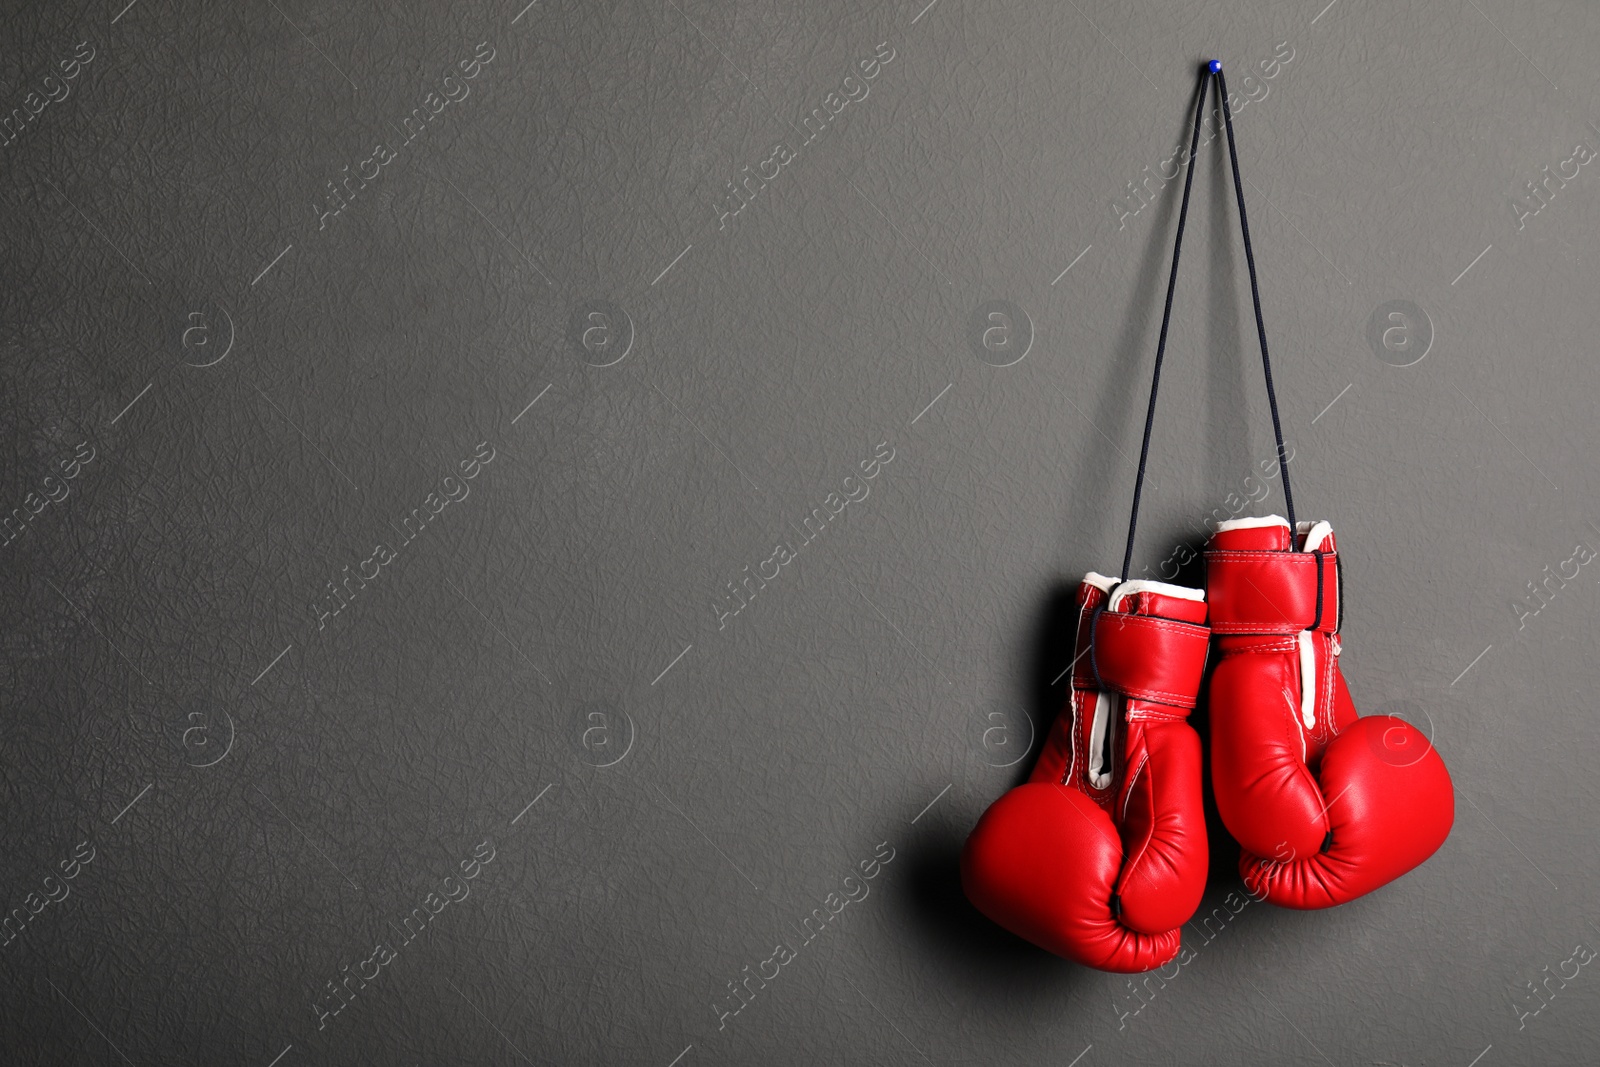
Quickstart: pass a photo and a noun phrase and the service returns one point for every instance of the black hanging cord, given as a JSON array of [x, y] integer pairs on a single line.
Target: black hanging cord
[[1166, 319], [1213, 67], [1255, 295]]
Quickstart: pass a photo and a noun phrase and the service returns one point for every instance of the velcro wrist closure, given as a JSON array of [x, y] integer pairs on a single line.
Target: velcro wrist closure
[[1252, 592], [1148, 658]]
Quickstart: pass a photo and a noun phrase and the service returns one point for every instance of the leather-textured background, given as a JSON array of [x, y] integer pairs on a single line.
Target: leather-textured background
[[266, 789]]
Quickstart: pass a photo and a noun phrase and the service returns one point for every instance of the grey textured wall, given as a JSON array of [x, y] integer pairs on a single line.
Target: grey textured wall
[[459, 297]]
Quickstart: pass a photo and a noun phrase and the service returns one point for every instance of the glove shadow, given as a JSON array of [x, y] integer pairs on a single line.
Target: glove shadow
[[990, 962]]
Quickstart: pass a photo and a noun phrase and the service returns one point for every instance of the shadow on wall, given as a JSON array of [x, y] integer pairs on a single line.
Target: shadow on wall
[[1227, 424], [1101, 488], [985, 959], [997, 961], [990, 961]]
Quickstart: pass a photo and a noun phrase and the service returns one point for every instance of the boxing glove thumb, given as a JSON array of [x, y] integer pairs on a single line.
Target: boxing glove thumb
[[1390, 806]]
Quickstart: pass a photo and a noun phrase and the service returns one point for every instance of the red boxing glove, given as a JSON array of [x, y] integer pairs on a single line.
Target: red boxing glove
[[1101, 857], [1328, 806]]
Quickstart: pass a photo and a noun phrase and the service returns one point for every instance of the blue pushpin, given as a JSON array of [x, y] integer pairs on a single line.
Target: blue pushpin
[[1214, 66]]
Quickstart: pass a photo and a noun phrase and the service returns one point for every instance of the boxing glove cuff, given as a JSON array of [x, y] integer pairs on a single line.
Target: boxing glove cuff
[[1149, 658], [1272, 592]]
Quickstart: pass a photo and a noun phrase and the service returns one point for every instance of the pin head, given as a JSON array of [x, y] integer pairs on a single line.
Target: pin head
[[1214, 66]]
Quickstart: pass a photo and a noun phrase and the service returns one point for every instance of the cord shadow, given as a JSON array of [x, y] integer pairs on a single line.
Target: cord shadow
[[1227, 409], [1128, 381]]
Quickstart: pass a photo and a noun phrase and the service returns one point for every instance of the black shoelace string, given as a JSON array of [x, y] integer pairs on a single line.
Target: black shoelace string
[[1206, 74]]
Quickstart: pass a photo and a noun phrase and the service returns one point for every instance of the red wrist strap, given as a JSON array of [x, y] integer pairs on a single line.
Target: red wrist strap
[[1149, 658], [1272, 592]]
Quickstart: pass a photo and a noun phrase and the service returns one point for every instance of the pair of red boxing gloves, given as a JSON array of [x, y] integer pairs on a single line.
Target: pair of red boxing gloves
[[1101, 856]]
